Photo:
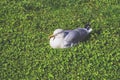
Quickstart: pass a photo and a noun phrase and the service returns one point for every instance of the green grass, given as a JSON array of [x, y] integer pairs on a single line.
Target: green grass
[[25, 53]]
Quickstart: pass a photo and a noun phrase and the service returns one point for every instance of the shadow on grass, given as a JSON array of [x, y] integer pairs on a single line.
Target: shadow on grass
[[96, 33]]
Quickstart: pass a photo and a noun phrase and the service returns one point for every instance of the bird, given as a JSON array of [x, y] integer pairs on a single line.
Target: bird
[[67, 38]]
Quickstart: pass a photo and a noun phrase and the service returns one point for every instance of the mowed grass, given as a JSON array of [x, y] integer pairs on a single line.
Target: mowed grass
[[25, 53]]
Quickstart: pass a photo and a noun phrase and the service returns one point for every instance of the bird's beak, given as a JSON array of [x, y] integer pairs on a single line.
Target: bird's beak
[[51, 36]]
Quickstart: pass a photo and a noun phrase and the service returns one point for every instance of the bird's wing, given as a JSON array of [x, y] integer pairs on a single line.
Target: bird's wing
[[72, 36], [82, 32], [66, 32]]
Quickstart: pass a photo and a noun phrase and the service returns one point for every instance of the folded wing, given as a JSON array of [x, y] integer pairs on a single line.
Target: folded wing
[[75, 36]]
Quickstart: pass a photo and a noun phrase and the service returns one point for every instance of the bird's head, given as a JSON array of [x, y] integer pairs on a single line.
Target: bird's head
[[56, 33]]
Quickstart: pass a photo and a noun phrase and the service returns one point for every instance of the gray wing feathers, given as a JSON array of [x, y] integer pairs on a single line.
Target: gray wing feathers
[[72, 36], [82, 33], [75, 36]]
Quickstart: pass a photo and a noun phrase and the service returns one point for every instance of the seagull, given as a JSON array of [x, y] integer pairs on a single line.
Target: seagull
[[68, 38]]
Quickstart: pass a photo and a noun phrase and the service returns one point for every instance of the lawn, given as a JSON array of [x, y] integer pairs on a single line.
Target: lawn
[[25, 53]]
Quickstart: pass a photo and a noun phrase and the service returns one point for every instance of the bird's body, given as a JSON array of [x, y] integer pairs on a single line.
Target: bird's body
[[67, 38]]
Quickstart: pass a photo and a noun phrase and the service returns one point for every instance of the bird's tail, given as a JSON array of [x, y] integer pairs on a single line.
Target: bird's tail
[[87, 26]]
